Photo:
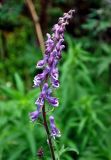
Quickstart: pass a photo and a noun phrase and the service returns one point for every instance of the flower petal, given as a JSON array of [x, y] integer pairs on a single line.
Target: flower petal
[[38, 79], [53, 101], [40, 64], [54, 73], [34, 115], [40, 101], [55, 82], [54, 131]]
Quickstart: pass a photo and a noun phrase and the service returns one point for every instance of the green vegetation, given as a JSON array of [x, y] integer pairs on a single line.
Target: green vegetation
[[85, 75]]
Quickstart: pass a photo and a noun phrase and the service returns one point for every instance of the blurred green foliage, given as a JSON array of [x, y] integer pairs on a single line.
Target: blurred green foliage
[[85, 75]]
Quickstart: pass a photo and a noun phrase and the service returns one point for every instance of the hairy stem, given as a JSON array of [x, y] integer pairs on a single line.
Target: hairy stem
[[48, 133]]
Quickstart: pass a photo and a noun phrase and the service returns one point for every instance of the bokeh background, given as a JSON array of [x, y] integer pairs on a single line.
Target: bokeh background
[[84, 114]]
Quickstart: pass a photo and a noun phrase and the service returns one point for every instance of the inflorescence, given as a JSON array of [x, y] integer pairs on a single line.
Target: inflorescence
[[48, 79]]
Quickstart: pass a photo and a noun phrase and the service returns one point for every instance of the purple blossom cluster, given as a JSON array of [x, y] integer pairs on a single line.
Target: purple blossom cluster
[[48, 79]]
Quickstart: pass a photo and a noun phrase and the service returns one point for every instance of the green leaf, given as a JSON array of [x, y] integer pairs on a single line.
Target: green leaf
[[31, 141], [67, 149], [11, 93], [19, 84], [16, 153]]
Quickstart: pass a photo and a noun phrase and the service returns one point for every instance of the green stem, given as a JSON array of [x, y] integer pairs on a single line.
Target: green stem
[[48, 133]]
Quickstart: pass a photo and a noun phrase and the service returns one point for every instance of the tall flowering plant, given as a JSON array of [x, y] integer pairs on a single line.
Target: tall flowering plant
[[48, 79]]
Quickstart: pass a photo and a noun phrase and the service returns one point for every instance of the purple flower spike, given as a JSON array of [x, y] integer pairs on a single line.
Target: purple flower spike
[[54, 131], [48, 79], [53, 49], [34, 115]]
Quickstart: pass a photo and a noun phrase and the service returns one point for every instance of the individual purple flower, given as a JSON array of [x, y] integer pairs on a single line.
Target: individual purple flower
[[51, 59], [53, 101], [45, 88], [34, 115], [54, 72], [49, 44], [46, 95], [54, 82], [41, 77], [38, 79], [40, 64], [41, 99], [54, 131]]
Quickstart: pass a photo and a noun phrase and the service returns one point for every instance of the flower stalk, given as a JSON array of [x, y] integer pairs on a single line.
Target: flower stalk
[[48, 80], [48, 133]]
